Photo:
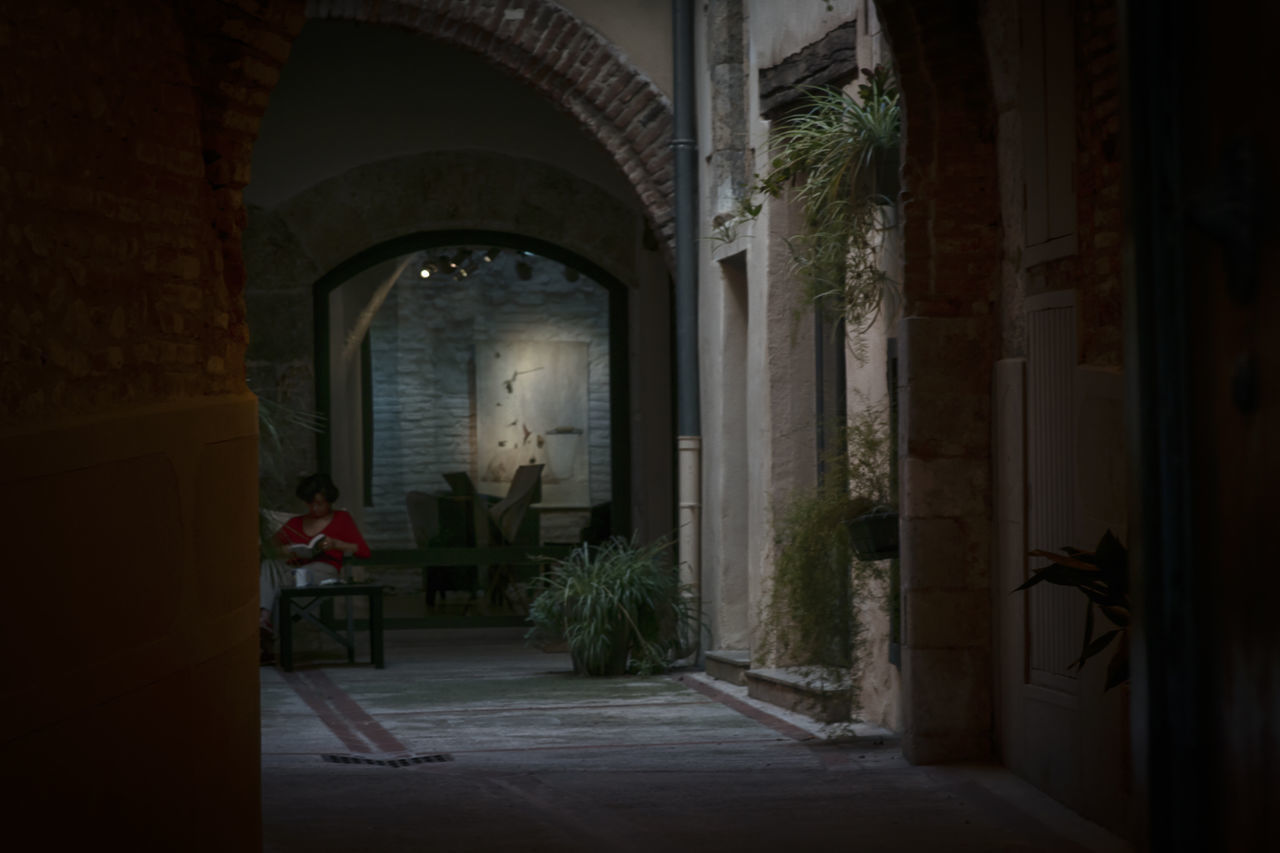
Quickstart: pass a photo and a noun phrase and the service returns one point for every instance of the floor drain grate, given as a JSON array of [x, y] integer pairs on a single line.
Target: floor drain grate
[[405, 761]]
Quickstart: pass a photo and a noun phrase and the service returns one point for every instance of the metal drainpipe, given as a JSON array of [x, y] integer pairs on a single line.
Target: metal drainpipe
[[820, 393], [689, 439]]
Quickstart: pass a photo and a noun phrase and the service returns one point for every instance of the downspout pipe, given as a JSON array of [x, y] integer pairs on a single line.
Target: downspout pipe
[[684, 146]]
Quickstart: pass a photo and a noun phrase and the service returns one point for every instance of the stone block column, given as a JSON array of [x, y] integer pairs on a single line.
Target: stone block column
[[944, 437]]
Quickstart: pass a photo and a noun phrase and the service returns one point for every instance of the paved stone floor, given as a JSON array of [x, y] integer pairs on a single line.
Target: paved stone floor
[[483, 744]]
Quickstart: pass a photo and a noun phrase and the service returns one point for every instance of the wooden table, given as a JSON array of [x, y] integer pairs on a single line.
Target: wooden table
[[304, 598], [482, 558]]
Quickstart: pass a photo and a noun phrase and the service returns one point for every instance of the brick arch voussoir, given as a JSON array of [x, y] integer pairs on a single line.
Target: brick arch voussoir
[[567, 62], [952, 238]]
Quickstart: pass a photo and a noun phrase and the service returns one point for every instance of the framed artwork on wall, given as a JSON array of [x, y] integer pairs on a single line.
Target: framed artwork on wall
[[532, 407]]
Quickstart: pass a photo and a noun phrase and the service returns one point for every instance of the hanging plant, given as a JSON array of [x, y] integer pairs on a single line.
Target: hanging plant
[[839, 154]]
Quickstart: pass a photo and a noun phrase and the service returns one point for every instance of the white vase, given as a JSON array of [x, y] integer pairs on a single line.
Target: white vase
[[562, 454]]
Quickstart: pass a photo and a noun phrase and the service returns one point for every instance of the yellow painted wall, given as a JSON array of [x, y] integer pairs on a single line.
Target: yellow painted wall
[[131, 703]]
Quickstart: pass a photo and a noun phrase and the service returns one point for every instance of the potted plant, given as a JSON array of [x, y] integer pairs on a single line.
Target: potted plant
[[1102, 576], [872, 529], [618, 606], [871, 519], [810, 617]]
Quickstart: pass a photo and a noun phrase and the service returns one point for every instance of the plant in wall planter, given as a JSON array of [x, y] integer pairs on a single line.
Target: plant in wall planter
[[810, 618], [1102, 576], [873, 530], [872, 520], [619, 606]]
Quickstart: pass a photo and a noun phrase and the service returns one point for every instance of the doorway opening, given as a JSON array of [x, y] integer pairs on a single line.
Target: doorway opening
[[446, 361]]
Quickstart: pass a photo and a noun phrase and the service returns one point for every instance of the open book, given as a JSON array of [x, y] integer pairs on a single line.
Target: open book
[[305, 551]]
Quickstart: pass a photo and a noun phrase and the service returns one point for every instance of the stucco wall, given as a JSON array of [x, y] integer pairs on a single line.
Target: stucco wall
[[640, 28], [775, 404], [780, 29], [760, 434], [358, 93]]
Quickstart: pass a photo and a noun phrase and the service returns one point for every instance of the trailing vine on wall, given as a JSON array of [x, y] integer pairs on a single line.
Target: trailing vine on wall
[[838, 157], [810, 619]]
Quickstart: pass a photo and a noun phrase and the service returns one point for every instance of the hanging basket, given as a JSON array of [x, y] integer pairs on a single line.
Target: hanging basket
[[881, 182], [874, 535]]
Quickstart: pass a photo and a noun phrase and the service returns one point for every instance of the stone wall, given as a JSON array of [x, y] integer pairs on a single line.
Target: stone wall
[[947, 342], [121, 257], [1099, 183], [423, 342], [131, 712], [1093, 269]]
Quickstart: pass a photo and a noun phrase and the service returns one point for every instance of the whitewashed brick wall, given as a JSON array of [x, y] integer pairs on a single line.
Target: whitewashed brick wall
[[423, 341]]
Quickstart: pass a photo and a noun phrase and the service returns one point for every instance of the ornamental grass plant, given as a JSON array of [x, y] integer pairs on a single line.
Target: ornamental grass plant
[[618, 605]]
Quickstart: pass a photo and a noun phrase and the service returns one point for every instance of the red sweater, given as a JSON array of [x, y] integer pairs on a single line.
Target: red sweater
[[341, 527]]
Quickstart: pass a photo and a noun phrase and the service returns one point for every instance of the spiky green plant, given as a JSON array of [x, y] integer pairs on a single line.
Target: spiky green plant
[[831, 152], [619, 604]]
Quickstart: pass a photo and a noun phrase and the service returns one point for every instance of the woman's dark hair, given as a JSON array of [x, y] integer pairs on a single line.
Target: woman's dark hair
[[317, 484]]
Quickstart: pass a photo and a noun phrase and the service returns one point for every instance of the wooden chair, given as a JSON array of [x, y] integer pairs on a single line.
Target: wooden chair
[[512, 524]]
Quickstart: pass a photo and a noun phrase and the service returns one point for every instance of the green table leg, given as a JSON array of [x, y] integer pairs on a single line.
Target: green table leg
[[286, 634], [375, 627]]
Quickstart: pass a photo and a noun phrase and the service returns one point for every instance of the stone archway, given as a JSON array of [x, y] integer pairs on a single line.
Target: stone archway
[[292, 246], [287, 249], [376, 202], [561, 58], [948, 342]]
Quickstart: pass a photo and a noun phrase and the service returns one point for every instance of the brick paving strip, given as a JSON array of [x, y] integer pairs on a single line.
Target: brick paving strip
[[765, 719], [507, 709], [343, 715], [621, 745]]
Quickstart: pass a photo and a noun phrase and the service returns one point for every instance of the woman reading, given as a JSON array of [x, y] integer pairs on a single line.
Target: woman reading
[[318, 541]]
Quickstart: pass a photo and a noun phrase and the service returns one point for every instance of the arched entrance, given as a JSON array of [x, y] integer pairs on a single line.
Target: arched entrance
[[565, 61], [333, 230], [348, 302]]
